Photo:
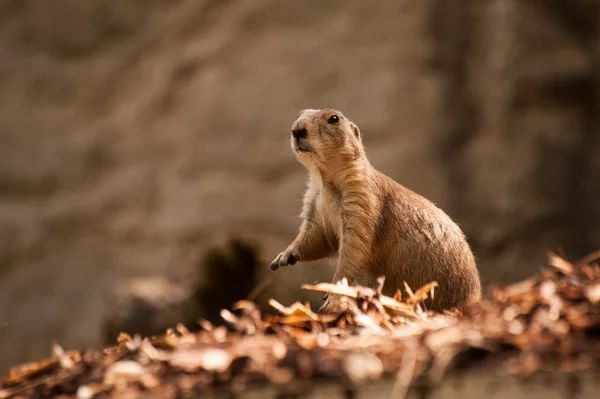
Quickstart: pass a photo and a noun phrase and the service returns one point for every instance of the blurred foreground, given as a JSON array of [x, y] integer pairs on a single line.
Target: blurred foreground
[[549, 323]]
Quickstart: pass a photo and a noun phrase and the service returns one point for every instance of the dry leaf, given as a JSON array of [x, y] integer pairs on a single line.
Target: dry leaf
[[211, 359], [560, 264]]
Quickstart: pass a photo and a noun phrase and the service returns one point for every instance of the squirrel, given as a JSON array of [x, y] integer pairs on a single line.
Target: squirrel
[[369, 224]]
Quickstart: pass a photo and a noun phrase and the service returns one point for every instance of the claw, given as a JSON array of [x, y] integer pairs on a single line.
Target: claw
[[281, 261], [293, 258], [275, 264]]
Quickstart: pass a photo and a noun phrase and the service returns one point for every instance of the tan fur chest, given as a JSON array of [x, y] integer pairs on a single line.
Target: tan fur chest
[[329, 216]]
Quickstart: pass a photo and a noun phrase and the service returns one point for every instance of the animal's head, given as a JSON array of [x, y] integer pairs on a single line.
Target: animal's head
[[323, 136]]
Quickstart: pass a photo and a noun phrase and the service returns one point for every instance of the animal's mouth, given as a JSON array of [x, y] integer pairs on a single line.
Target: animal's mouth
[[300, 146]]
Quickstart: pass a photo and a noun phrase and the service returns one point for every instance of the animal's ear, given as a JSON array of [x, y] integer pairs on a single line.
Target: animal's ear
[[355, 130]]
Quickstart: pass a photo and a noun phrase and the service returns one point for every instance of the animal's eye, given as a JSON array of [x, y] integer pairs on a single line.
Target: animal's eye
[[333, 119]]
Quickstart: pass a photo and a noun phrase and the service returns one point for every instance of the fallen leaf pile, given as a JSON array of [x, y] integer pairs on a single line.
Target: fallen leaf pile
[[550, 321]]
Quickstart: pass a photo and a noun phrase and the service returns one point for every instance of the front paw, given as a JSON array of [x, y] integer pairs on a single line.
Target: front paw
[[287, 257]]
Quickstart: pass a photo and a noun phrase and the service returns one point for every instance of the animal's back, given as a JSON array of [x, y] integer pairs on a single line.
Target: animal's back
[[417, 242]]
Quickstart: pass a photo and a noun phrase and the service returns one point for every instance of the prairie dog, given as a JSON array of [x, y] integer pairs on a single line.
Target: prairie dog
[[370, 225]]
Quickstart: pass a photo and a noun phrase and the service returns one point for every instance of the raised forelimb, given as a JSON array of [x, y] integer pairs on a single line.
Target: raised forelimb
[[310, 243]]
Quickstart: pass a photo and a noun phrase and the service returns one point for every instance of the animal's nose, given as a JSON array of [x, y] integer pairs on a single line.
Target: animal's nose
[[299, 133]]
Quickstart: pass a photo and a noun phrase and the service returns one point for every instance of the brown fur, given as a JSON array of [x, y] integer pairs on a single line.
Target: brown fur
[[369, 224]]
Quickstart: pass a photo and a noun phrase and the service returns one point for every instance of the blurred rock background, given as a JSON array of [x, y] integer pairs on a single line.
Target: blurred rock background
[[135, 135]]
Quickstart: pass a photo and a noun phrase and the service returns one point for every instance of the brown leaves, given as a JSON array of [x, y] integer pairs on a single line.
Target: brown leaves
[[209, 359], [547, 317], [27, 371], [370, 296], [124, 372], [551, 321], [560, 263], [592, 293], [21, 373]]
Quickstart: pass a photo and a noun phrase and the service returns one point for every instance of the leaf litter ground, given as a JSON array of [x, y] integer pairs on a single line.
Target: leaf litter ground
[[549, 322]]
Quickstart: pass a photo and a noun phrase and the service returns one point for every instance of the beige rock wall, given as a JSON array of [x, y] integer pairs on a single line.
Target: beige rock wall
[[134, 133]]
